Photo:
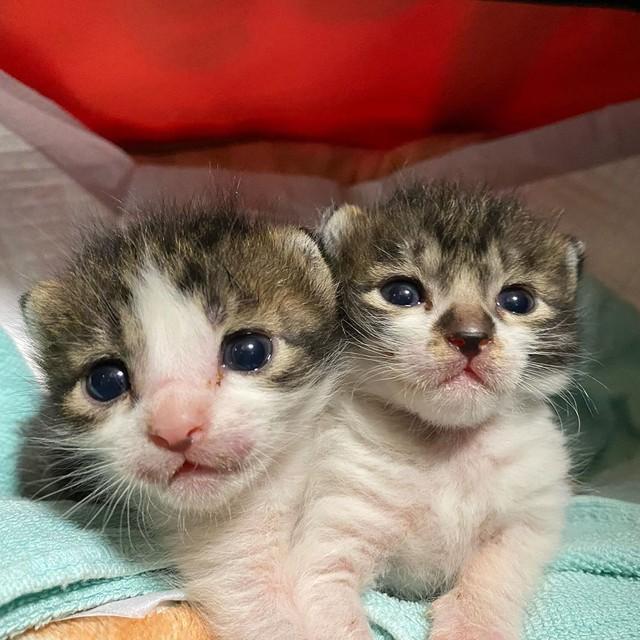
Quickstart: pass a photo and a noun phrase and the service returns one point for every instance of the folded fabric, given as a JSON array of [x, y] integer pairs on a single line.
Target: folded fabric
[[54, 566]]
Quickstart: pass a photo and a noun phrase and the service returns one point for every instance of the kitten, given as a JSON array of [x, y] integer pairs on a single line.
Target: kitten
[[441, 469], [186, 358]]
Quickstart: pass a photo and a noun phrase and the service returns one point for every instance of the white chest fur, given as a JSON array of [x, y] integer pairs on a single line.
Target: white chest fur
[[440, 494]]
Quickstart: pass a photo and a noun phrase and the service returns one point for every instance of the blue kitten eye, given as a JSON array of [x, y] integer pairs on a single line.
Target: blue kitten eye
[[246, 351], [402, 293], [107, 380], [516, 300]]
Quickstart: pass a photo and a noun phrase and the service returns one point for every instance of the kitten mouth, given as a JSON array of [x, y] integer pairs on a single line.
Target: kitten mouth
[[473, 375], [467, 377], [190, 468]]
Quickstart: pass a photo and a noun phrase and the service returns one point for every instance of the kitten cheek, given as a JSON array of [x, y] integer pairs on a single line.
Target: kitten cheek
[[508, 360], [243, 412]]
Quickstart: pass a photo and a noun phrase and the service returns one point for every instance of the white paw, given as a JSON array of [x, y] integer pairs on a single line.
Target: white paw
[[453, 619]]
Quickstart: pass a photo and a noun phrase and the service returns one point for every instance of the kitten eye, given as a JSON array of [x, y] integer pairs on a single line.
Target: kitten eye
[[246, 351], [107, 380], [516, 300], [402, 293]]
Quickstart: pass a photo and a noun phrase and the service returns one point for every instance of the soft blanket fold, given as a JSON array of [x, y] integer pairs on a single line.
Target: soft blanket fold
[[53, 567]]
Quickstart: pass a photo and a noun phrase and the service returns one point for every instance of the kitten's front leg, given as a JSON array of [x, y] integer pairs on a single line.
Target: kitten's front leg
[[330, 606], [245, 606], [239, 602], [338, 557], [488, 600], [237, 579]]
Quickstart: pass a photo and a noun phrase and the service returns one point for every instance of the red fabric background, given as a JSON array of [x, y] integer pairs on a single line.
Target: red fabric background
[[372, 73]]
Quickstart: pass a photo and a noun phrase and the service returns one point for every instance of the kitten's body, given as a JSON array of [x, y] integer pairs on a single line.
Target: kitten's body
[[214, 454], [438, 474], [417, 511]]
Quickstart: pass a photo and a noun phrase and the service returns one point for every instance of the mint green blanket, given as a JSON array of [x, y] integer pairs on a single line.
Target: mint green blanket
[[51, 567]]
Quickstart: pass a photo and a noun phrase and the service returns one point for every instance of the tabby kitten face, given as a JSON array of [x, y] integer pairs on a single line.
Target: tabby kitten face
[[182, 355], [456, 304]]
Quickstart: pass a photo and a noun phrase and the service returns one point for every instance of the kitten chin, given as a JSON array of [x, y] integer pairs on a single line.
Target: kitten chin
[[454, 406]]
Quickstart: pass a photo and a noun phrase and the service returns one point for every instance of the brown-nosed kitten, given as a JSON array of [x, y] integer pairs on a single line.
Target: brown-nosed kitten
[[186, 358], [441, 469]]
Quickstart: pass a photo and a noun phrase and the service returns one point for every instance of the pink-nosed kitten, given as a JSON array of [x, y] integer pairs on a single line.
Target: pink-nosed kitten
[[186, 359]]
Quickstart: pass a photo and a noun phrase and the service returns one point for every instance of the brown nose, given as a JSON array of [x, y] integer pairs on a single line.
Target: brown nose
[[469, 343], [467, 328]]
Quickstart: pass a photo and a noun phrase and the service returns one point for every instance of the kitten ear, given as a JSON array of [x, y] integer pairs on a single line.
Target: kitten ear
[[34, 304], [575, 256], [306, 240], [308, 243], [335, 225]]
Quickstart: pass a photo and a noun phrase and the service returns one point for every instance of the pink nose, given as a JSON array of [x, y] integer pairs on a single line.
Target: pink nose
[[179, 416]]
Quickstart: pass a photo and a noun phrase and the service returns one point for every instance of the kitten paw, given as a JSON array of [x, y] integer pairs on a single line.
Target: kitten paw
[[451, 620]]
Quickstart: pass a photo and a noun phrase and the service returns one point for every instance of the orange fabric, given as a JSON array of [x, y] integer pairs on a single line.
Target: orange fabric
[[180, 622], [369, 73]]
